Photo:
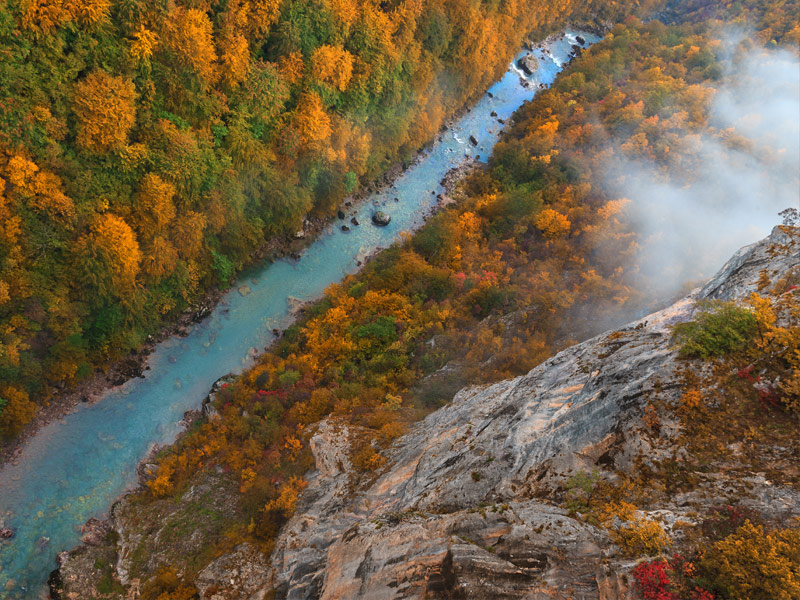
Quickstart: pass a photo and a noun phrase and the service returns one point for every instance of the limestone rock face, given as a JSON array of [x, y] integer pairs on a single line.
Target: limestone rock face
[[242, 574], [455, 514]]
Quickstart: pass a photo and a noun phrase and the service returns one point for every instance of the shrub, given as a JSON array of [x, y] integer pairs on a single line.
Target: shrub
[[752, 564], [579, 490], [166, 585], [653, 581], [723, 521], [641, 537], [222, 266], [719, 328], [367, 459], [16, 410], [673, 580], [634, 535]]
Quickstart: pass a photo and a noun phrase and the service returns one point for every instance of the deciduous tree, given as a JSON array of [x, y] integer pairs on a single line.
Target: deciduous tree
[[104, 107]]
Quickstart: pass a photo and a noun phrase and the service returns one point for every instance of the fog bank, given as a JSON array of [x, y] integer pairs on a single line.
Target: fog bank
[[691, 224]]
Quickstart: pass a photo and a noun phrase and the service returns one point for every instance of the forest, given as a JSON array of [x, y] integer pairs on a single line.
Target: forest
[[486, 286], [149, 150]]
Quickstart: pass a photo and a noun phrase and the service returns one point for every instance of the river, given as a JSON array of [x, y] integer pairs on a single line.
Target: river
[[75, 467]]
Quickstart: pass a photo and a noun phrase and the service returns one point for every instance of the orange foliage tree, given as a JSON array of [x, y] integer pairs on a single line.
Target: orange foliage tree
[[16, 410], [333, 66], [108, 257], [311, 121], [104, 107], [189, 35]]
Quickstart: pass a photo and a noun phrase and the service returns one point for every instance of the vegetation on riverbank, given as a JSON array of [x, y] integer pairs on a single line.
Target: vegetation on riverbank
[[486, 286], [148, 149]]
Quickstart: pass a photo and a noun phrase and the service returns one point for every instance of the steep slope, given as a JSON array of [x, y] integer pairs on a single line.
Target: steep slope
[[496, 495], [457, 514]]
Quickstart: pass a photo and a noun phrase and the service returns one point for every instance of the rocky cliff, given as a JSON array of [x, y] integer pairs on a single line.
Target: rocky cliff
[[473, 502]]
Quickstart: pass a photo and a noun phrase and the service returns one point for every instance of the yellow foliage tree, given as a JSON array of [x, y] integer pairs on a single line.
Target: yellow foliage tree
[[42, 16], [89, 13], [16, 410], [142, 45], [20, 171], [104, 106], [189, 36], [263, 14], [155, 208], [234, 58], [333, 66], [187, 233], [160, 258], [346, 10], [635, 535], [109, 256], [552, 223], [291, 67], [288, 496], [48, 198], [310, 119]]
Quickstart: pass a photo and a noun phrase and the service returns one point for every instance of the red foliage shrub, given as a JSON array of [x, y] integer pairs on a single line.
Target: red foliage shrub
[[653, 580]]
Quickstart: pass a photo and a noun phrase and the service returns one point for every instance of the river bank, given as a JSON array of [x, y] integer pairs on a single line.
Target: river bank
[[100, 444], [135, 364]]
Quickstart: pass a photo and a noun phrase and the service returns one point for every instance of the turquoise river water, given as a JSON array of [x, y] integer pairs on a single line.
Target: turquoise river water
[[75, 467]]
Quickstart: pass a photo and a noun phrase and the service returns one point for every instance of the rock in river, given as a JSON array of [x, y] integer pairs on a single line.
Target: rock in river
[[528, 64], [473, 140], [381, 219]]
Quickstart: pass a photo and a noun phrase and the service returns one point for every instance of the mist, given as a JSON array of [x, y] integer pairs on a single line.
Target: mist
[[689, 226]]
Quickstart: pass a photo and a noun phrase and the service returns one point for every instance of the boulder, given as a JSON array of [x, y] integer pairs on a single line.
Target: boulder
[[528, 64], [354, 221], [381, 219], [94, 532], [581, 40], [473, 140]]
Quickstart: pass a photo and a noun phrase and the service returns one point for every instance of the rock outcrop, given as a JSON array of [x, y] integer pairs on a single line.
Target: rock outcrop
[[463, 508], [456, 514]]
